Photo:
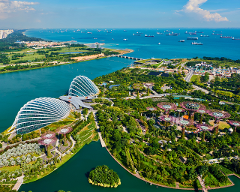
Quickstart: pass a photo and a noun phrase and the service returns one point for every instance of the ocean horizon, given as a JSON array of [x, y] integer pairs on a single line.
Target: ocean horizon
[[159, 46]]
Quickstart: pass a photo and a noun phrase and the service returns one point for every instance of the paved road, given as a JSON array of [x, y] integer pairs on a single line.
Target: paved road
[[204, 188], [189, 76], [201, 89]]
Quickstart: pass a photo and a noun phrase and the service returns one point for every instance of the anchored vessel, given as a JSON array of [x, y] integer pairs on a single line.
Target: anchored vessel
[[196, 43], [192, 38], [226, 37], [235, 38], [149, 35]]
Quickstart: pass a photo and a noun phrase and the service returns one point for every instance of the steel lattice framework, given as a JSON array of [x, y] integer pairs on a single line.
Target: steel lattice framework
[[217, 114], [204, 127], [39, 113], [192, 106], [82, 86], [167, 106]]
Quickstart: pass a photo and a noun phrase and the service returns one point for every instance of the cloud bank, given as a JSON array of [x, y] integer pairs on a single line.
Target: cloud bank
[[7, 7], [193, 7]]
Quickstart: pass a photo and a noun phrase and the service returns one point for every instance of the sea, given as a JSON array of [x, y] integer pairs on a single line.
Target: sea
[[159, 46], [18, 88]]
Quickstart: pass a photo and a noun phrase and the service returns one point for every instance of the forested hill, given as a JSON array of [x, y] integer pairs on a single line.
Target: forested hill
[[13, 37]]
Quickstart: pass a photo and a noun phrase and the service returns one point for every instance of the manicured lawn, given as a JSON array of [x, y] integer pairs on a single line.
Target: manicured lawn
[[195, 78], [11, 168], [222, 125]]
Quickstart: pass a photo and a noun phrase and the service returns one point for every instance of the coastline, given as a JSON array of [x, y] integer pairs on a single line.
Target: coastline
[[77, 59], [165, 186]]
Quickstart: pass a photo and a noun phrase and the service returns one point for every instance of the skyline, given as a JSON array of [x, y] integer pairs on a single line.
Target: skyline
[[124, 14]]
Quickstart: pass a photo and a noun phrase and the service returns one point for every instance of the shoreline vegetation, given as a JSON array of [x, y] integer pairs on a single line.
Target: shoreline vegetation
[[104, 177], [132, 139], [22, 53]]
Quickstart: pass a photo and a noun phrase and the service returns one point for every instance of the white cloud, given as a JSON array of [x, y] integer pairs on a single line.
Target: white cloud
[[7, 6], [193, 7]]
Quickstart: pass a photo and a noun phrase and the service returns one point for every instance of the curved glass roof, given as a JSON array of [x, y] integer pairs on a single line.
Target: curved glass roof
[[39, 113], [82, 86]]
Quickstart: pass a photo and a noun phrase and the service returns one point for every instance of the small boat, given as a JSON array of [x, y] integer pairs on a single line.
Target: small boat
[[94, 38], [117, 44], [159, 33], [204, 35], [89, 32], [136, 34], [124, 39], [159, 43], [181, 40]]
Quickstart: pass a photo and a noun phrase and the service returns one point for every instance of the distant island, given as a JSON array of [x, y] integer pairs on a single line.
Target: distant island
[[20, 52], [104, 177]]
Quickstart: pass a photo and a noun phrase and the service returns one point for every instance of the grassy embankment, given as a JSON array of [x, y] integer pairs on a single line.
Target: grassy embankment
[[86, 136]]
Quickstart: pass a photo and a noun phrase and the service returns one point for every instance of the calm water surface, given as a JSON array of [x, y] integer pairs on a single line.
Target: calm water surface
[[20, 87], [72, 176]]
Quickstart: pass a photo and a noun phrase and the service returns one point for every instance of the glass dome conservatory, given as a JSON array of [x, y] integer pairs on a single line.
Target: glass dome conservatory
[[39, 113], [82, 86]]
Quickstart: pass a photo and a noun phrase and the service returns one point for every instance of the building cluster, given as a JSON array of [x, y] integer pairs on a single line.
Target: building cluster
[[44, 44], [5, 33], [203, 67]]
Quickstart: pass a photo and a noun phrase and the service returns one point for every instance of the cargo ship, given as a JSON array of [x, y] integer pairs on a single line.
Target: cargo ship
[[159, 33], [216, 34], [226, 37], [199, 32], [192, 33], [235, 38], [204, 35], [89, 32], [149, 35], [172, 34], [196, 43], [192, 38]]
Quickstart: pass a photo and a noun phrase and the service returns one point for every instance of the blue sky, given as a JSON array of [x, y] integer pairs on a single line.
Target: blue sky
[[119, 14]]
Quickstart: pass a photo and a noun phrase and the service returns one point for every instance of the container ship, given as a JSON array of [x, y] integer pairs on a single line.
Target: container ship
[[192, 38], [149, 35], [226, 37], [196, 43]]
